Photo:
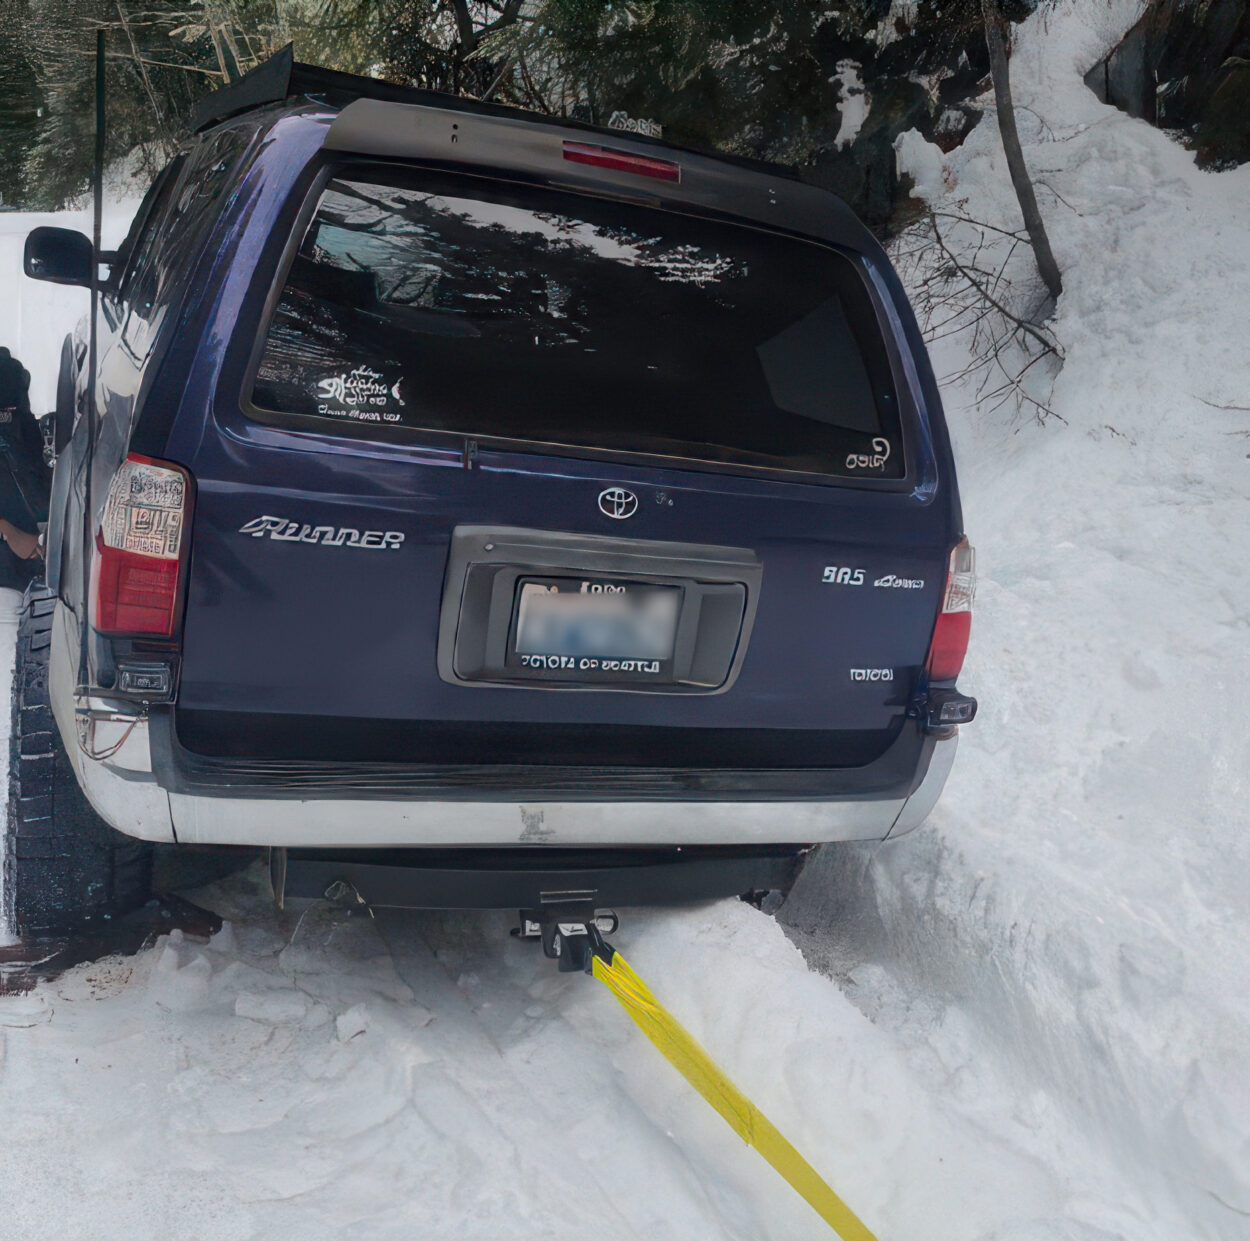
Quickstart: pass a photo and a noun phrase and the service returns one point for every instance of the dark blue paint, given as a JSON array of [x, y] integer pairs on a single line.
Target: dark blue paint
[[290, 628]]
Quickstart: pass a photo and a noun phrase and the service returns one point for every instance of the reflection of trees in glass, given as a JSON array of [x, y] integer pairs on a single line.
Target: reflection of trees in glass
[[493, 260], [570, 320]]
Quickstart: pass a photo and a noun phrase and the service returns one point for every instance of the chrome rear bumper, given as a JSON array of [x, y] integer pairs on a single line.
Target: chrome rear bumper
[[111, 751]]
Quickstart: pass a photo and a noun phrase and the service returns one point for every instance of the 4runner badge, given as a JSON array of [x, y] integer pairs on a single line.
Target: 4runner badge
[[328, 536]]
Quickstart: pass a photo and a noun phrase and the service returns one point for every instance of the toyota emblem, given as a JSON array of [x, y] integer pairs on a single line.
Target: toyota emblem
[[618, 503]]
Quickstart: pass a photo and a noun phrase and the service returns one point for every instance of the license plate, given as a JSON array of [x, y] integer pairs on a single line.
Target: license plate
[[588, 629]]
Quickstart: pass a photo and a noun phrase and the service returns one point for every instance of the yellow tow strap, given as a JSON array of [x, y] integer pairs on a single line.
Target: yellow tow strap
[[698, 1068]]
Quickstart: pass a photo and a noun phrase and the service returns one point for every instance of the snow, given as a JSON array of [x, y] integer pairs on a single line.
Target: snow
[[854, 103], [1080, 892], [1027, 1021], [902, 13], [923, 162], [425, 1075]]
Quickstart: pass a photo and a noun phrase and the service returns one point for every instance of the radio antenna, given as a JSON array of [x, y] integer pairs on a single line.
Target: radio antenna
[[97, 211]]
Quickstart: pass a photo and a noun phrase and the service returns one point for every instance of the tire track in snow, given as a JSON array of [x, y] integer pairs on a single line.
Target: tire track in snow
[[511, 1124], [556, 1038]]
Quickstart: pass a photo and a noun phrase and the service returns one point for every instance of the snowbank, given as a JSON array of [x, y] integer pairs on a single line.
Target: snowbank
[[1080, 894]]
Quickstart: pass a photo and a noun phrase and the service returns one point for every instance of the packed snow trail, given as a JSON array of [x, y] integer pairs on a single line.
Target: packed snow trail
[[683, 1052], [315, 1074]]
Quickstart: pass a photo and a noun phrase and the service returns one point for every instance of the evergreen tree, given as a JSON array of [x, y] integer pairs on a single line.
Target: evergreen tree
[[162, 56]]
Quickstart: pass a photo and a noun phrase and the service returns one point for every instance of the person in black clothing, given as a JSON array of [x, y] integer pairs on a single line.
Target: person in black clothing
[[23, 476]]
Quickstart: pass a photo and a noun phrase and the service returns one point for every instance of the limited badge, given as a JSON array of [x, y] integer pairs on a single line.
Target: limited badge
[[872, 674]]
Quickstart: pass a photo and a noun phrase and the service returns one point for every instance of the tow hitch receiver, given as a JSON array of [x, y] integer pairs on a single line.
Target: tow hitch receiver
[[570, 934]]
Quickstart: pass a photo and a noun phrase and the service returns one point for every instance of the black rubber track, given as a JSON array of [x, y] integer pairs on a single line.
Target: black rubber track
[[64, 867]]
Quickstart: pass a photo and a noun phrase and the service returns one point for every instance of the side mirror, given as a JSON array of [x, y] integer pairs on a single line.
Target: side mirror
[[60, 255]]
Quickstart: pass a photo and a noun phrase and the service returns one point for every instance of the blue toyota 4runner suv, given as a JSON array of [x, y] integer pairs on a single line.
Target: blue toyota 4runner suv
[[485, 509]]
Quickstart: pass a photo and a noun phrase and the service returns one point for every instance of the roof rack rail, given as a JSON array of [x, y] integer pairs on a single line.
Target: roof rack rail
[[283, 77]]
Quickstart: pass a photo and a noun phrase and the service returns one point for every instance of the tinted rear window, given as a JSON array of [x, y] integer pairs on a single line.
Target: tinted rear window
[[512, 313]]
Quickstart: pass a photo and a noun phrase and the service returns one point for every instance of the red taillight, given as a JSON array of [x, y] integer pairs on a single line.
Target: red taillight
[[954, 622], [622, 161], [136, 575]]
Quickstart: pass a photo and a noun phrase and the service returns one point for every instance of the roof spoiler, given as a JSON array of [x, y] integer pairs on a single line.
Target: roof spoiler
[[283, 77]]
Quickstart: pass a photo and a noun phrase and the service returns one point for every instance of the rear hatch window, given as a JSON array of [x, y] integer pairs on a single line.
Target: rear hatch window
[[423, 307]]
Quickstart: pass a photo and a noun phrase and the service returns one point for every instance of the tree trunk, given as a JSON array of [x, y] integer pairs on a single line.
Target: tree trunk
[[997, 45]]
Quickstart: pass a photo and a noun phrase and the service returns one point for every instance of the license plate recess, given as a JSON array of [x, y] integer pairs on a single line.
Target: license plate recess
[[542, 610]]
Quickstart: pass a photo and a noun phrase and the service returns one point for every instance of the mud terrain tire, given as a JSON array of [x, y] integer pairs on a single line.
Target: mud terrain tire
[[64, 867]]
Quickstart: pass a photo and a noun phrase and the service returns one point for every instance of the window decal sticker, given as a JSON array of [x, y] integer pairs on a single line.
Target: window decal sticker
[[870, 461], [361, 394]]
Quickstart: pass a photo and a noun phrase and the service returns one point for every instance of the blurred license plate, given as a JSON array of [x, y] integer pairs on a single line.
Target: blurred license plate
[[581, 628]]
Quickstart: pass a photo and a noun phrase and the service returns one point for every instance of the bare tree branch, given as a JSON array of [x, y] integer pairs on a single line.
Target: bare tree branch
[[1023, 324], [962, 286]]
